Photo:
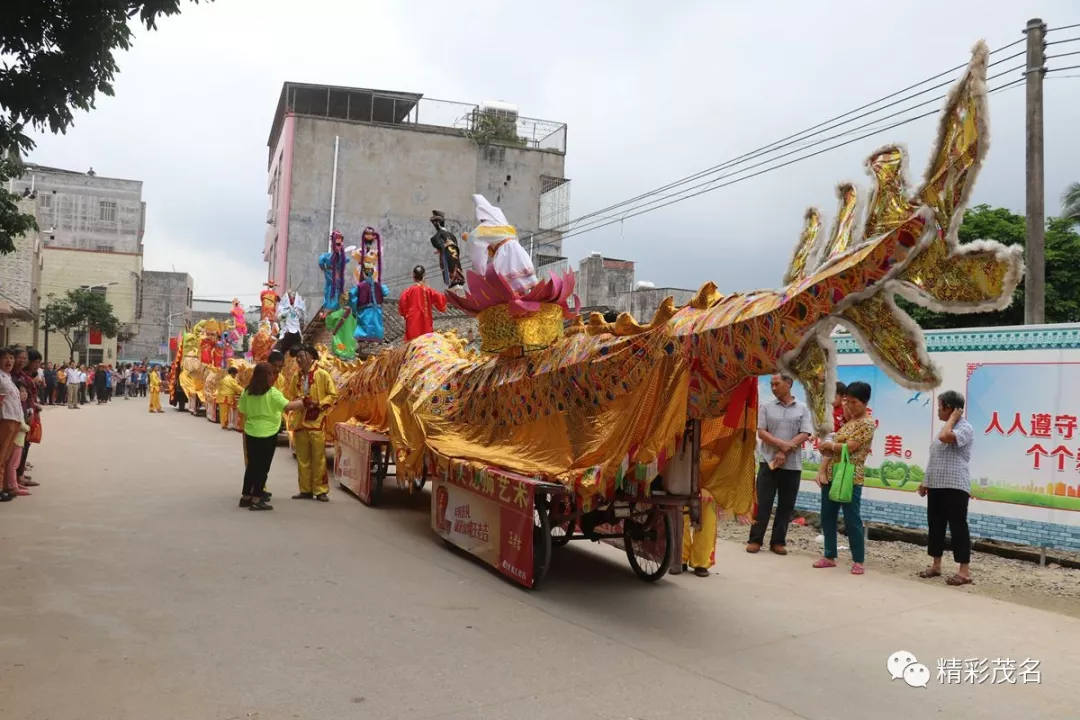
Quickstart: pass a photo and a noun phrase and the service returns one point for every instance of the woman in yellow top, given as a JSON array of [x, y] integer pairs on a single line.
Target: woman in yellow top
[[858, 435], [260, 407], [314, 387], [227, 392], [155, 391]]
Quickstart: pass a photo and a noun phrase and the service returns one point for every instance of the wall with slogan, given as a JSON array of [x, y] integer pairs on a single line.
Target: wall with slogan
[[1022, 386]]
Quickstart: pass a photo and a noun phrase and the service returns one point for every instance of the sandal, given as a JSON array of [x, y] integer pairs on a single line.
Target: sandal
[[825, 563], [857, 569], [929, 573], [323, 497], [958, 580]]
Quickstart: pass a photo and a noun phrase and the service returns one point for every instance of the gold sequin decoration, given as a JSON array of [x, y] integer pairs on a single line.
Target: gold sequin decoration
[[501, 333], [810, 368], [889, 205], [807, 241], [890, 342], [955, 156], [970, 278], [845, 221]]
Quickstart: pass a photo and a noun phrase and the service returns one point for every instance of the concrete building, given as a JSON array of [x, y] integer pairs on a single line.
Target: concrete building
[[20, 283], [166, 306], [646, 298], [116, 275], [605, 282], [397, 157], [85, 211]]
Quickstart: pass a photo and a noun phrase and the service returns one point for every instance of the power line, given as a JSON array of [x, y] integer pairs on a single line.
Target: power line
[[1063, 27]]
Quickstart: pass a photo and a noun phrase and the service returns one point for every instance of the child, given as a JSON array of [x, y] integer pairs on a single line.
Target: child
[[11, 471]]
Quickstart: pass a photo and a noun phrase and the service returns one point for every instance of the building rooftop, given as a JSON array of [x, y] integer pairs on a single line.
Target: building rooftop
[[34, 167], [495, 123]]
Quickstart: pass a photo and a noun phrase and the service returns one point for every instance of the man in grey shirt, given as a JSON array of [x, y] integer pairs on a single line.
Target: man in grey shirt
[[784, 424]]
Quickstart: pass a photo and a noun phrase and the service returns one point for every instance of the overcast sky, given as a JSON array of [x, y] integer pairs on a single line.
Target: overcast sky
[[651, 92]]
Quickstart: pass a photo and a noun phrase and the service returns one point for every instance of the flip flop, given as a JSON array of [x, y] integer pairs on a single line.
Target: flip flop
[[927, 574], [957, 581], [825, 563]]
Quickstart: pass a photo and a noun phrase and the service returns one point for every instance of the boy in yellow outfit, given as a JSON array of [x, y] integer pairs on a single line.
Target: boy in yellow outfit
[[155, 391], [316, 388], [227, 392]]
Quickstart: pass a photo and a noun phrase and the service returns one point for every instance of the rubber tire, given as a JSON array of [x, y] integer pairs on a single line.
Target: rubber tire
[[669, 550], [541, 540], [558, 541]]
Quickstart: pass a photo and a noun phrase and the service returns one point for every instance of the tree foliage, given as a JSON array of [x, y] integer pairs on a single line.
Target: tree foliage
[[1070, 203], [1062, 271], [57, 56], [79, 310]]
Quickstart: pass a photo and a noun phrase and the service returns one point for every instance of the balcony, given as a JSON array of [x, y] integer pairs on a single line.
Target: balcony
[[413, 110]]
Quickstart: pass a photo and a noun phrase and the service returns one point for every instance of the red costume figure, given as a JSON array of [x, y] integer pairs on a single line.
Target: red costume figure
[[268, 300], [415, 306]]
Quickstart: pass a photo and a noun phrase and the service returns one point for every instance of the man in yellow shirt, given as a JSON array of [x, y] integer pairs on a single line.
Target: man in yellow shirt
[[316, 388], [155, 391], [227, 392]]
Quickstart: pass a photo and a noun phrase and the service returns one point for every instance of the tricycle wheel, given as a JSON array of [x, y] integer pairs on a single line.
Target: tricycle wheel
[[378, 473], [541, 540], [418, 483], [650, 544], [562, 520]]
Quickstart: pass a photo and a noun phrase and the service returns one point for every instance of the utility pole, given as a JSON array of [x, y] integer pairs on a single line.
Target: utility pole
[[1035, 243]]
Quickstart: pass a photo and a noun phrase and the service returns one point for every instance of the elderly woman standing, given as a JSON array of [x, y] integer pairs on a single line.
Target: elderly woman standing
[[857, 435]]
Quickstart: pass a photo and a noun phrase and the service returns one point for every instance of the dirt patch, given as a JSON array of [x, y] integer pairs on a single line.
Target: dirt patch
[[1053, 587]]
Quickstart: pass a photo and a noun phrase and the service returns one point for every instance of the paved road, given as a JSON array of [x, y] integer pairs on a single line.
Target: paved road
[[131, 587]]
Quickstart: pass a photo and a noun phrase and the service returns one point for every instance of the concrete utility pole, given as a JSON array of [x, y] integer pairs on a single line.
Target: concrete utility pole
[[1035, 243]]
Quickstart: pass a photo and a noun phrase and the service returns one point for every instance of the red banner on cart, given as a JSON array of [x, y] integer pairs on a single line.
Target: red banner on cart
[[489, 515]]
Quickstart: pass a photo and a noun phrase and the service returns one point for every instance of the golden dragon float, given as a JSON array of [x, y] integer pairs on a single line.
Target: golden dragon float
[[596, 412]]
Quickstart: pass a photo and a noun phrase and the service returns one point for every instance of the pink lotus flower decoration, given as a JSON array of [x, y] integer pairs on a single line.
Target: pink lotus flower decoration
[[490, 289]]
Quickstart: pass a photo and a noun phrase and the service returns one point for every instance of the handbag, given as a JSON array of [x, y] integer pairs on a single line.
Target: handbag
[[34, 435], [843, 479]]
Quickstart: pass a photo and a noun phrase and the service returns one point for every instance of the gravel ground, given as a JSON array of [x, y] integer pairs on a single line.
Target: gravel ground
[[1051, 588]]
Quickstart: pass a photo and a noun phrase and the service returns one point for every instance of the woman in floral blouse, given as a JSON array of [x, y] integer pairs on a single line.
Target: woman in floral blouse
[[858, 434]]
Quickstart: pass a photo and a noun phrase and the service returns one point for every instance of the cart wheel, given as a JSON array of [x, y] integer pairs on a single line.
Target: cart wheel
[[541, 540], [646, 541], [562, 530], [418, 483], [378, 474]]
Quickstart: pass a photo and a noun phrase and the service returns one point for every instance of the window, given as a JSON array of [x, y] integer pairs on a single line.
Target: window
[[104, 248], [138, 299], [46, 201], [107, 211]]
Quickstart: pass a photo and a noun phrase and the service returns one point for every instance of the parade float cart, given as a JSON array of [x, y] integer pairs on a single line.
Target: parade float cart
[[363, 462], [513, 522], [608, 431]]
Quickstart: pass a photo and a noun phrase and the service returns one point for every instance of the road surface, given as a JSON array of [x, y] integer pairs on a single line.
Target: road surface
[[133, 588]]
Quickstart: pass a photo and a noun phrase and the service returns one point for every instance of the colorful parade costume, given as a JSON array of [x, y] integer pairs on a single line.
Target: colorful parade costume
[[494, 243], [292, 313], [317, 389], [155, 391], [228, 390], [446, 245], [343, 327], [367, 300], [333, 266], [268, 301], [415, 305]]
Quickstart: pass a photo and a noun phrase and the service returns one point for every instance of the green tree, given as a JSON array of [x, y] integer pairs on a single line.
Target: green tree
[[1070, 204], [80, 310], [58, 54], [1062, 271], [916, 474]]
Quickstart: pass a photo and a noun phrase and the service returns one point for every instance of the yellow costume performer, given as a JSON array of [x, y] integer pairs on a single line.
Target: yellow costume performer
[[316, 388], [699, 546], [227, 392], [155, 392]]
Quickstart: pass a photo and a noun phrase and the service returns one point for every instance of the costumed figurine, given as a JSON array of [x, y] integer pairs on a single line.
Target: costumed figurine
[[446, 247], [333, 266], [268, 302], [416, 303], [366, 300], [371, 248], [239, 320], [292, 313], [495, 243], [263, 342], [342, 325]]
